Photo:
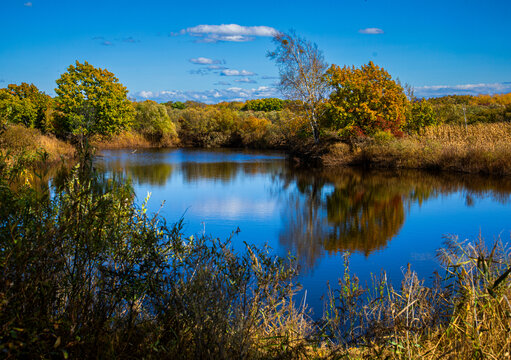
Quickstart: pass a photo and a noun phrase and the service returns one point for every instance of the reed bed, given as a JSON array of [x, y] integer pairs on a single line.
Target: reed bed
[[464, 314], [477, 148]]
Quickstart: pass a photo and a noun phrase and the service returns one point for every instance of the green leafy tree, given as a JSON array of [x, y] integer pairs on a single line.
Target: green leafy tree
[[365, 100], [15, 110], [25, 104], [92, 101], [178, 105]]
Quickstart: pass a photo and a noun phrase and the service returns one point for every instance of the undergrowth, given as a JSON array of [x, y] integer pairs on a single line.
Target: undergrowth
[[86, 273]]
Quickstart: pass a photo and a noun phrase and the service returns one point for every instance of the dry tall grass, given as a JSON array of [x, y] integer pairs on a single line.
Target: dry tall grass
[[130, 140], [35, 146], [478, 148], [466, 314]]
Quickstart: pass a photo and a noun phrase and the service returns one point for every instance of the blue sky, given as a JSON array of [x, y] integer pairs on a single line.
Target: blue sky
[[214, 51]]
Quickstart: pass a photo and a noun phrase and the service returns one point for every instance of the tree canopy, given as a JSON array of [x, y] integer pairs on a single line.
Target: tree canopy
[[25, 104], [92, 101], [267, 104], [365, 100]]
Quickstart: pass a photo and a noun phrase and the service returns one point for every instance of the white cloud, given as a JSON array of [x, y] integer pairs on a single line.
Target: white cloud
[[28, 4], [246, 80], [463, 89], [228, 32], [204, 61], [371, 31], [200, 72], [232, 72], [208, 96], [145, 94]]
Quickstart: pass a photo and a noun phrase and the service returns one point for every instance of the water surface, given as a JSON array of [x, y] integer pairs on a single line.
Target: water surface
[[386, 219]]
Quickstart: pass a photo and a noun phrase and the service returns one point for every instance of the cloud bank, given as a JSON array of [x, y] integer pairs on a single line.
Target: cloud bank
[[371, 31], [228, 32], [208, 96], [463, 89]]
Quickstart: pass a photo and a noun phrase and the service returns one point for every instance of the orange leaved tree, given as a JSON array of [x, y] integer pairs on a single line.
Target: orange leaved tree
[[364, 100]]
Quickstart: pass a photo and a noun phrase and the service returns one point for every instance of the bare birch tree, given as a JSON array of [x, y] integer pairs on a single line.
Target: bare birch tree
[[302, 69]]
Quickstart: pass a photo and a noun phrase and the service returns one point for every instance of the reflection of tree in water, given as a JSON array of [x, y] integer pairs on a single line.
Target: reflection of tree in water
[[363, 218], [153, 173], [226, 171], [360, 211]]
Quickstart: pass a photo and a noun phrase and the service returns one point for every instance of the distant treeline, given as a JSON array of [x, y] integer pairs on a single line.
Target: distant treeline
[[259, 123], [91, 104]]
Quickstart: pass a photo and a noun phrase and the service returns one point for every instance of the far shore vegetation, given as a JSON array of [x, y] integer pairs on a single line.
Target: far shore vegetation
[[88, 273], [367, 119]]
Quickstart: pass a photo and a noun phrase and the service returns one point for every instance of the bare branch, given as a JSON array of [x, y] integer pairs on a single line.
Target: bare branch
[[302, 69]]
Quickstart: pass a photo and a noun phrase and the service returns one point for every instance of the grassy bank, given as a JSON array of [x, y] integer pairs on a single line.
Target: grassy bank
[[87, 273], [477, 148]]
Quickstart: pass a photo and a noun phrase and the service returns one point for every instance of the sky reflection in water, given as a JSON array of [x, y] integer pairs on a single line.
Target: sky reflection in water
[[385, 218]]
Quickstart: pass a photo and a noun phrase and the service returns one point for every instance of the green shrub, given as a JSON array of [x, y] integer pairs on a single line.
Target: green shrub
[[267, 104], [154, 123], [419, 116]]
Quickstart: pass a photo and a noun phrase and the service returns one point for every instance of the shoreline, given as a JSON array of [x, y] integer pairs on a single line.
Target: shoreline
[[475, 149]]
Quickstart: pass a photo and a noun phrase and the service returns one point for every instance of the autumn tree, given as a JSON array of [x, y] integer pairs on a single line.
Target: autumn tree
[[365, 100], [302, 69], [92, 101]]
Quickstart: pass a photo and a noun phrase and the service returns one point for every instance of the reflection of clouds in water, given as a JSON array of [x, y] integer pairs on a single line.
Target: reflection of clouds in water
[[235, 208]]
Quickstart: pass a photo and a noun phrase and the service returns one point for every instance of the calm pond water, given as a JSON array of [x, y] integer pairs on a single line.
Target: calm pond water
[[386, 219]]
